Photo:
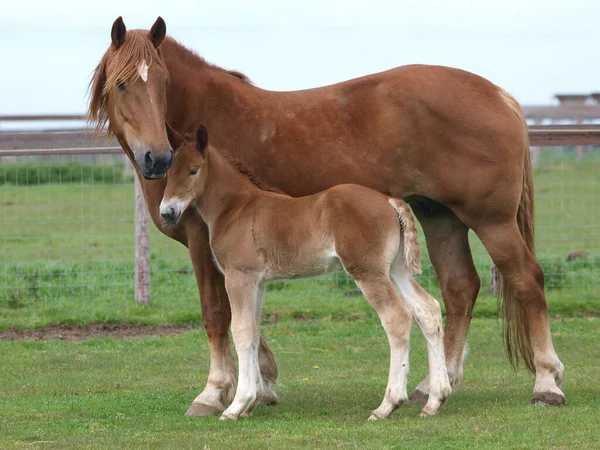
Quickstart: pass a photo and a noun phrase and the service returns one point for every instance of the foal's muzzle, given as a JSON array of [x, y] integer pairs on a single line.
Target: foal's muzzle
[[171, 212]]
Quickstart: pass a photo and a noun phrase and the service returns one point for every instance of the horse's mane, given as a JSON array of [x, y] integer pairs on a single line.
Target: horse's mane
[[123, 67], [249, 173], [185, 55]]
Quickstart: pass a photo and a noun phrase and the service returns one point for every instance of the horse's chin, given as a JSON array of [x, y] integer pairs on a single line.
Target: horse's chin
[[153, 176]]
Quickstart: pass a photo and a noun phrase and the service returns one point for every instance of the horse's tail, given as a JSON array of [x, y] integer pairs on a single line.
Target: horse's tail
[[516, 331], [408, 232]]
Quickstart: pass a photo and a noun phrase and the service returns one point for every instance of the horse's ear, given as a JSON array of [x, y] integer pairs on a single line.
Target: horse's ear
[[175, 139], [158, 32], [202, 138], [118, 32]]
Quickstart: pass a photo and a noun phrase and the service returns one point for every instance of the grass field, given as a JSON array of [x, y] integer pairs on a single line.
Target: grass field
[[133, 394], [67, 257]]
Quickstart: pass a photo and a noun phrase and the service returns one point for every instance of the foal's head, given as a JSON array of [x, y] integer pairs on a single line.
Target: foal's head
[[129, 91], [186, 180]]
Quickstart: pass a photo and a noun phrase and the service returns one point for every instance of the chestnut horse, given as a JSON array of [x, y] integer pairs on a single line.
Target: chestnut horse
[[450, 142], [258, 236]]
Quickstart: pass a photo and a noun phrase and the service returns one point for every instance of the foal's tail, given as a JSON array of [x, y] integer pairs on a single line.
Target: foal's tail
[[408, 231], [517, 336]]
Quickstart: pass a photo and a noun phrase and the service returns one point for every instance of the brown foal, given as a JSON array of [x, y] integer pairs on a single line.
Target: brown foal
[[257, 236], [449, 142]]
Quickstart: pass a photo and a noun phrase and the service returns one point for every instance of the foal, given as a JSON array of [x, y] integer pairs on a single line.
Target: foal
[[258, 236]]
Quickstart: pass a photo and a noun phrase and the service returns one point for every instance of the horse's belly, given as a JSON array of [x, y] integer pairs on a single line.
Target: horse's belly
[[304, 266]]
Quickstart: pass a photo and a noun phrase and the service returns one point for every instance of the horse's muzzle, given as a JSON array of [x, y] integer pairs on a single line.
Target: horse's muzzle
[[153, 166]]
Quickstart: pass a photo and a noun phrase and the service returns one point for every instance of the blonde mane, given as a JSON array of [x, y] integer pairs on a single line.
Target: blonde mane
[[122, 68]]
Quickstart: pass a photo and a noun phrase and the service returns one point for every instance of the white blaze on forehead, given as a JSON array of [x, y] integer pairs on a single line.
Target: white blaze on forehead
[[143, 70]]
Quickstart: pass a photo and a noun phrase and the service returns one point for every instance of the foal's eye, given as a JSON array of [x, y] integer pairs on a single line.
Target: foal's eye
[[121, 86], [193, 172]]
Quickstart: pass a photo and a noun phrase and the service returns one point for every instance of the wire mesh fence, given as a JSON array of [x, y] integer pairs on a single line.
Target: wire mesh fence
[[67, 235]]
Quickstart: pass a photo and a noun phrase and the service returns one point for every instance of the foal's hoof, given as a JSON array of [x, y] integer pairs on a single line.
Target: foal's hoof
[[548, 398], [229, 416], [419, 397], [199, 409], [429, 411], [269, 397], [425, 413]]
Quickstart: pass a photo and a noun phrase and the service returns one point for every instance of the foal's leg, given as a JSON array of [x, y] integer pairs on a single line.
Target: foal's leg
[[525, 278], [396, 319], [427, 313], [268, 370], [450, 254], [216, 315], [245, 299]]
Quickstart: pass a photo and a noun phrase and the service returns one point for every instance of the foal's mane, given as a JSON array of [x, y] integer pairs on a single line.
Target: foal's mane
[[249, 173], [123, 68]]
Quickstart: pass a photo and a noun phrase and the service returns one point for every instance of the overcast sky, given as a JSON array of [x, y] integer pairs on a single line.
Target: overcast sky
[[532, 48]]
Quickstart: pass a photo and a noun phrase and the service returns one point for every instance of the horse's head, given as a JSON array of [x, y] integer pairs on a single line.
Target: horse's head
[[129, 91], [187, 176]]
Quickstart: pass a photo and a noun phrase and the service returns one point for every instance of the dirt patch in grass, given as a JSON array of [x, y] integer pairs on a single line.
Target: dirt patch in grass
[[78, 333]]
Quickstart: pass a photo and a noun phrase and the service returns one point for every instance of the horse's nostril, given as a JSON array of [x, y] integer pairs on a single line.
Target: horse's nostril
[[149, 158]]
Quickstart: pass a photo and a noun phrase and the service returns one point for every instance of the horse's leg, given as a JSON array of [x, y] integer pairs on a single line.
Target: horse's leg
[[245, 298], [450, 254], [427, 313], [525, 280], [396, 319], [216, 315]]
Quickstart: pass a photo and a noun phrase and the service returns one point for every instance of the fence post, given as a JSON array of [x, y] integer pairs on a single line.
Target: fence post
[[142, 247]]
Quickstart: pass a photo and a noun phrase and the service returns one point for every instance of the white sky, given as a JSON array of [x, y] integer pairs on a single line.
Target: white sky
[[532, 48]]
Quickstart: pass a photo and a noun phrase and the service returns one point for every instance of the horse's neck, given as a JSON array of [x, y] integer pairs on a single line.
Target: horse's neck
[[200, 93], [225, 189]]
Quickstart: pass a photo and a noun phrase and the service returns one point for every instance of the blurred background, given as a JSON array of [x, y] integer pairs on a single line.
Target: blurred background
[[68, 221]]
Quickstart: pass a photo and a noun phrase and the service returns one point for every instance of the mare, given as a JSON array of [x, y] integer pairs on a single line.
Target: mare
[[452, 144], [258, 236]]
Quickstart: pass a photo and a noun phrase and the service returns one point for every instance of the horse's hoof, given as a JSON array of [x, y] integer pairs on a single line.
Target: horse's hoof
[[548, 398], [269, 397], [200, 409], [419, 397]]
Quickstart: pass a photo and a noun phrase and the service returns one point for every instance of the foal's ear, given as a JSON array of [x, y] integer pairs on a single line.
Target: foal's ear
[[202, 138], [158, 32], [175, 139], [118, 32]]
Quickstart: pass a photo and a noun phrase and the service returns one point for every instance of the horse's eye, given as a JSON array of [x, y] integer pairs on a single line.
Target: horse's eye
[[121, 86], [193, 172]]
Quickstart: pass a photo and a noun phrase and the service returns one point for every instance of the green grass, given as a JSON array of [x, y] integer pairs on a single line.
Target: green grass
[[132, 394], [34, 173]]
